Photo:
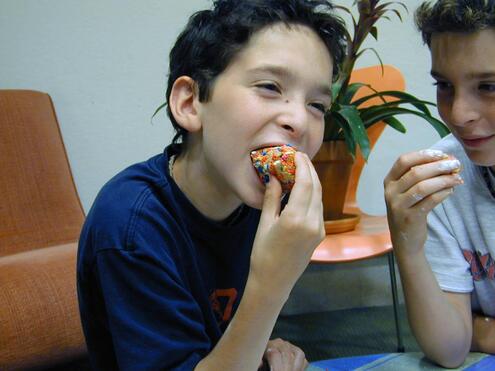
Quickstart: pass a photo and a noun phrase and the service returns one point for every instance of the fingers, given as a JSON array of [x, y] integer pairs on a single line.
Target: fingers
[[271, 201], [301, 193], [418, 175], [430, 202], [274, 359], [406, 161], [426, 171], [305, 202], [300, 362], [282, 355], [315, 212], [426, 188], [417, 183], [306, 194]]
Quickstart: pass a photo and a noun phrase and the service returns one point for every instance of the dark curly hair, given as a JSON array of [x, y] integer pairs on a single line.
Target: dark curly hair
[[454, 16], [213, 37]]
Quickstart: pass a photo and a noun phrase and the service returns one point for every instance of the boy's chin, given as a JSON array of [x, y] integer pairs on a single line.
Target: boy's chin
[[255, 200], [481, 159], [255, 204]]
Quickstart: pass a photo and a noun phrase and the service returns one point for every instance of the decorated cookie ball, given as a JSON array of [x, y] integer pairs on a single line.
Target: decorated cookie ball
[[277, 161]]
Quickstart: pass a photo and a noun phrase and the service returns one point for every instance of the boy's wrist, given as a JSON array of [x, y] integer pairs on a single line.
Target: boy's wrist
[[409, 254], [264, 293]]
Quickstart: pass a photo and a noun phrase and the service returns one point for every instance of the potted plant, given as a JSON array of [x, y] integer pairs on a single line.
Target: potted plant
[[349, 119]]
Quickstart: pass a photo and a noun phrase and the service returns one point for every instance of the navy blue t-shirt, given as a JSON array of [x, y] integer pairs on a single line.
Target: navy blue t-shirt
[[157, 281]]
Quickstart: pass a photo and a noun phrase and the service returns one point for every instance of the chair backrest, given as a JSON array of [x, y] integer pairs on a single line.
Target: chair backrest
[[388, 79], [39, 204]]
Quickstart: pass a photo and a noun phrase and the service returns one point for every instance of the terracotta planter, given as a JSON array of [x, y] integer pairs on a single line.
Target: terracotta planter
[[333, 163]]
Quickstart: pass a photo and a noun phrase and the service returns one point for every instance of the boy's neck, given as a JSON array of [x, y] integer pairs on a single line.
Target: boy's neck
[[197, 187]]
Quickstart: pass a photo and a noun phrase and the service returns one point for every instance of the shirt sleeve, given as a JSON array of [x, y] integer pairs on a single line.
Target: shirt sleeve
[[154, 321], [445, 255]]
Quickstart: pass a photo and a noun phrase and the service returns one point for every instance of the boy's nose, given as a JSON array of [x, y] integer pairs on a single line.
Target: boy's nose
[[294, 119], [463, 111]]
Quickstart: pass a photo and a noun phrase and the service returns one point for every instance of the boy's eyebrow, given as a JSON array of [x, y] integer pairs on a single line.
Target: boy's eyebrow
[[483, 75], [285, 72], [474, 75]]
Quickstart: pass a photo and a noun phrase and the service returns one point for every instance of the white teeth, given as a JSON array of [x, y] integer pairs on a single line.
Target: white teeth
[[434, 153], [449, 165]]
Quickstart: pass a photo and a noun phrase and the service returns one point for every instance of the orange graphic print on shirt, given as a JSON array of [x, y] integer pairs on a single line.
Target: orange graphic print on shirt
[[222, 301], [481, 266]]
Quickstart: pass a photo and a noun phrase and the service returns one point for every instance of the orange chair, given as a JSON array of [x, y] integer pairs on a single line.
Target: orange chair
[[371, 238], [40, 221]]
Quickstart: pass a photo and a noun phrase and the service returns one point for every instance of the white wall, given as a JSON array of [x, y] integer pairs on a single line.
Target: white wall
[[104, 62]]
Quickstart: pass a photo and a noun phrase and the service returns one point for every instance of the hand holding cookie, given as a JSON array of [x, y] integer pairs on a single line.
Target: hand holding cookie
[[286, 237], [417, 183]]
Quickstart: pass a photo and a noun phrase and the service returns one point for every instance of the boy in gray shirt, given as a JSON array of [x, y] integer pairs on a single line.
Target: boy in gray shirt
[[445, 240]]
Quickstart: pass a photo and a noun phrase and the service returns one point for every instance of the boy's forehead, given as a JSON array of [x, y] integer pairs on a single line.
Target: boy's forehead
[[473, 53], [278, 40]]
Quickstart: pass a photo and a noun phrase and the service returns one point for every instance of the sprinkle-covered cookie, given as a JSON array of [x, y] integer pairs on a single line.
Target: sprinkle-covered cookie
[[278, 161]]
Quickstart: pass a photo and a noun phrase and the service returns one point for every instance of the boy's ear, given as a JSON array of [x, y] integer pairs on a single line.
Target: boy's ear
[[183, 103]]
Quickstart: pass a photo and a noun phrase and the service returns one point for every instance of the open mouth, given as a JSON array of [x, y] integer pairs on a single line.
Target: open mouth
[[272, 145]]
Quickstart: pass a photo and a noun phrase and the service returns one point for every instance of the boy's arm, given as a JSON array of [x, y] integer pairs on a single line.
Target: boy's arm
[[441, 322], [483, 334], [282, 249]]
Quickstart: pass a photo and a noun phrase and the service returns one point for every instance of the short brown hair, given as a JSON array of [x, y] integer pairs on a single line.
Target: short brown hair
[[454, 16]]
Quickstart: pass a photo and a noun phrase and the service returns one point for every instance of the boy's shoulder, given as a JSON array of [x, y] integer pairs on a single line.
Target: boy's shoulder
[[141, 187], [450, 145]]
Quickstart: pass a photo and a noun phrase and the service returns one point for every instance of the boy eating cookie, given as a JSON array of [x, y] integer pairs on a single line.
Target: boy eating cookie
[[178, 269]]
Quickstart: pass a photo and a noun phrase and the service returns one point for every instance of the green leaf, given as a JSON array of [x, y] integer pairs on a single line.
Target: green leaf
[[384, 6], [404, 98], [390, 105], [374, 51], [382, 9], [374, 32], [333, 128], [336, 86], [403, 5], [352, 117], [397, 13], [158, 109], [387, 112], [343, 8], [396, 124], [350, 92], [347, 133]]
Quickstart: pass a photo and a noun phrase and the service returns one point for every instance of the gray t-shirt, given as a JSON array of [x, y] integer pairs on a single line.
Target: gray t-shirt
[[461, 235]]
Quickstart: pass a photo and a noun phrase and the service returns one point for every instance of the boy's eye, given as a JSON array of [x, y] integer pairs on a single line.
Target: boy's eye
[[269, 86], [487, 87], [442, 86], [319, 106]]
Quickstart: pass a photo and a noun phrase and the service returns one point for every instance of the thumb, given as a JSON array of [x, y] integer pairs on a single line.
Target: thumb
[[271, 203]]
